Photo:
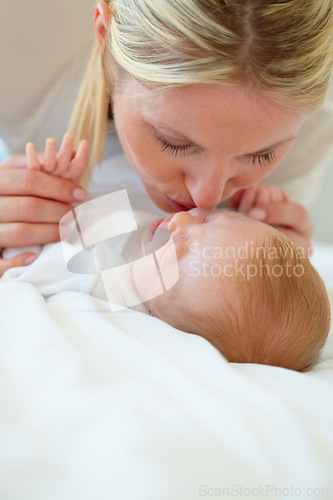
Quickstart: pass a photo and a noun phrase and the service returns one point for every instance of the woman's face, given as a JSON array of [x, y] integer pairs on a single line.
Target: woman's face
[[196, 146]]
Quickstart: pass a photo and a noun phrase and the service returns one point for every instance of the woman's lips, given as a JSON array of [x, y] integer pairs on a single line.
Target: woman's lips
[[180, 207]]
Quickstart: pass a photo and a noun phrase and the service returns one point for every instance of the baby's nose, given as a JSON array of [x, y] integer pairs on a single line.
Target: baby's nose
[[179, 220]]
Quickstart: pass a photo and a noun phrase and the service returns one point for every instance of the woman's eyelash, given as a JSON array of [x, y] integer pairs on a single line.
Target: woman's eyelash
[[171, 148], [264, 158], [175, 150]]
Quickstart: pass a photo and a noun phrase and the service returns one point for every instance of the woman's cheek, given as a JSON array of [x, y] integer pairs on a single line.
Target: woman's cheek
[[142, 154]]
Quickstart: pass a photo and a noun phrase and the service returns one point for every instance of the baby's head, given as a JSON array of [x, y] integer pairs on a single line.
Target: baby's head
[[246, 288]]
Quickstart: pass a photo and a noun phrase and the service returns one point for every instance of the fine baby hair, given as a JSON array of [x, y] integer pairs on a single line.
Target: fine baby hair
[[278, 315], [281, 48]]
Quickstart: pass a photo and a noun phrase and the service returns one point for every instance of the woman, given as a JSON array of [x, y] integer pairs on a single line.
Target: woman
[[207, 97]]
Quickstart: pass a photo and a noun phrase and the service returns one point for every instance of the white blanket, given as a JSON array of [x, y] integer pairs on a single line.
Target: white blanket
[[101, 405]]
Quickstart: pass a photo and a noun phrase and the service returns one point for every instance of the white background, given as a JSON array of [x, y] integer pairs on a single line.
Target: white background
[[322, 210]]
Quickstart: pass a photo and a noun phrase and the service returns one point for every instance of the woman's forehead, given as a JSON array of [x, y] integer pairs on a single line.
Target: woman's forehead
[[201, 96], [206, 115]]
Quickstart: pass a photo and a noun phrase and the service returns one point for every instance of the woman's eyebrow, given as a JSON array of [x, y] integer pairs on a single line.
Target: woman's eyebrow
[[176, 134], [182, 137], [273, 146]]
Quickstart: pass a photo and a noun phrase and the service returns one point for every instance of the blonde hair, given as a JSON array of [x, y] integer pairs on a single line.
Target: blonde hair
[[274, 318], [284, 48]]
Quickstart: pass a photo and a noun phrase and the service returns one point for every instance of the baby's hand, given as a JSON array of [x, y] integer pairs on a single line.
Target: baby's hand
[[67, 164], [245, 200]]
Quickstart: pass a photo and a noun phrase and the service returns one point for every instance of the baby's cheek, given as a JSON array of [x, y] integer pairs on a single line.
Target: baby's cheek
[[146, 278]]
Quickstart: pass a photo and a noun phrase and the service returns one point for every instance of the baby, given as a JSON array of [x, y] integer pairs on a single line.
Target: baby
[[243, 285]]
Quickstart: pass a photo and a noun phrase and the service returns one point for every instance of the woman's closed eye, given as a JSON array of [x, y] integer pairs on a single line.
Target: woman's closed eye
[[260, 159], [173, 149], [265, 158]]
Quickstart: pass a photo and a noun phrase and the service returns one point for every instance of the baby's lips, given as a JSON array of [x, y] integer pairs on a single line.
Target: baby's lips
[[152, 228]]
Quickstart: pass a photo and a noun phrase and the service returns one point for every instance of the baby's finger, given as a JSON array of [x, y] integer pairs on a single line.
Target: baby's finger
[[264, 195], [277, 195], [290, 215], [285, 197], [248, 200], [32, 158], [79, 163], [24, 259], [65, 155], [50, 157], [233, 201]]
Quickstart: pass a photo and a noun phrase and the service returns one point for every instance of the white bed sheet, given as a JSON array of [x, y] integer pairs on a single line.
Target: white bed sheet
[[101, 405]]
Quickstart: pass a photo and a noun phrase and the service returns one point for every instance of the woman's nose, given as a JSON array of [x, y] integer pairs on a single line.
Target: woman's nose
[[207, 185]]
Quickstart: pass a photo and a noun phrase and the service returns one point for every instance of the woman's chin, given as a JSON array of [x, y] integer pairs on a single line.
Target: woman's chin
[[159, 199]]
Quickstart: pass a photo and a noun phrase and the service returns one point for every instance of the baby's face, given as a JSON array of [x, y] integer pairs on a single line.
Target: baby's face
[[206, 244]]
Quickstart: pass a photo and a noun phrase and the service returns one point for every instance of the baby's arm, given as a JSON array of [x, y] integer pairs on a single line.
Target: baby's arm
[[68, 163], [245, 200]]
